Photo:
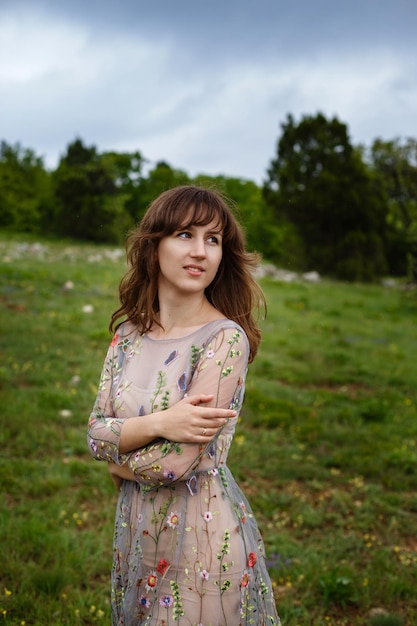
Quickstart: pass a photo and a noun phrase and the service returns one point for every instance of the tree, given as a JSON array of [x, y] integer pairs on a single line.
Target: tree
[[395, 163], [319, 183], [25, 190], [158, 180], [91, 204]]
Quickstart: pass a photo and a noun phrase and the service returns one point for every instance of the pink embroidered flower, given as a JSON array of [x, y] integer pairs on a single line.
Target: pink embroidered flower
[[252, 558], [143, 601], [162, 566], [166, 601], [208, 516], [214, 471], [115, 340], [151, 581], [204, 574], [173, 519], [210, 354]]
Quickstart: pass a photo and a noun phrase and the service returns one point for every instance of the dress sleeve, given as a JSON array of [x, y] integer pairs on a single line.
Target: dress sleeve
[[219, 368], [104, 427]]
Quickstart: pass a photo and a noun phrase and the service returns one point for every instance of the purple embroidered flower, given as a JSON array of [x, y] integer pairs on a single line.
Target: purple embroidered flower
[[93, 445], [171, 357], [143, 601], [182, 382], [170, 475], [166, 601]]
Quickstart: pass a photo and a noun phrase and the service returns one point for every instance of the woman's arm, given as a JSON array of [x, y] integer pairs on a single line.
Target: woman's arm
[[111, 438], [221, 371]]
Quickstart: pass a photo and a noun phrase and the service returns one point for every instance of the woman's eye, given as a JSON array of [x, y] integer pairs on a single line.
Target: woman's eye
[[213, 239], [183, 235]]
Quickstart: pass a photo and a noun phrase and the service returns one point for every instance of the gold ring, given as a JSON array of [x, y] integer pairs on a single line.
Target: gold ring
[[203, 434]]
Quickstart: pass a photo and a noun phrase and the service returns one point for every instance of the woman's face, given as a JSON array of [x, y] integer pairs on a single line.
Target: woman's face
[[189, 258]]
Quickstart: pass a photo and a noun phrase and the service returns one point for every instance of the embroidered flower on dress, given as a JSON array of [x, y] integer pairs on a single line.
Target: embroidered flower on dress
[[213, 471], [166, 601], [210, 354], [115, 340], [171, 357], [252, 558], [204, 574], [208, 516], [173, 519], [124, 344], [152, 581], [143, 601], [93, 445], [170, 474], [245, 579], [162, 566]]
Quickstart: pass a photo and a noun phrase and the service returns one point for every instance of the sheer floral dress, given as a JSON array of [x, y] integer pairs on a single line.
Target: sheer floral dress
[[187, 549]]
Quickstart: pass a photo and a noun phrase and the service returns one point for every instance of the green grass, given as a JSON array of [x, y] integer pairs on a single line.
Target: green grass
[[325, 449]]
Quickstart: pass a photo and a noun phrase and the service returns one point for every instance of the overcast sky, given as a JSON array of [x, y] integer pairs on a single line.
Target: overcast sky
[[203, 85]]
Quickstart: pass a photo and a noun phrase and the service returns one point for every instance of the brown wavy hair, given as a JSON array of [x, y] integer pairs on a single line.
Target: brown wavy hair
[[234, 291]]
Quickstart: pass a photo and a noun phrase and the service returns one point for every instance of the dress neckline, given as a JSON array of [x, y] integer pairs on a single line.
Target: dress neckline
[[221, 319]]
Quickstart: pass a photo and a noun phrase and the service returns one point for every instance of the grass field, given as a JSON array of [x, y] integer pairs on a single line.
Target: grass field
[[325, 450]]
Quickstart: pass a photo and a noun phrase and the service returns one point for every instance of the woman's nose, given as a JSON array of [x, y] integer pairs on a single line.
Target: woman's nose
[[198, 248]]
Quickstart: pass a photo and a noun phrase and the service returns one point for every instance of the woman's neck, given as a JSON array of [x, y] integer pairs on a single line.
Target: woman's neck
[[184, 316]]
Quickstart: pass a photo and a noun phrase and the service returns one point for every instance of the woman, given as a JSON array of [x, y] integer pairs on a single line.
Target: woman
[[187, 549]]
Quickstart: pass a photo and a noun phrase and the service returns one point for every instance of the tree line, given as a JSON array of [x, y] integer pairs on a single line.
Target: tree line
[[346, 211]]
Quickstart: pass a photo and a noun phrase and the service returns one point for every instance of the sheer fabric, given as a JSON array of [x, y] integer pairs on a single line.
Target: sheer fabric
[[187, 549]]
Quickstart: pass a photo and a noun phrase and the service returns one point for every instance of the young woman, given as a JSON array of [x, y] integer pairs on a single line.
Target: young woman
[[187, 549]]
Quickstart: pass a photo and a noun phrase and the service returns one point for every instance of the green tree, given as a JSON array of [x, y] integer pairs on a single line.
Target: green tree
[[158, 180], [126, 168], [395, 163], [25, 190], [90, 202], [319, 183]]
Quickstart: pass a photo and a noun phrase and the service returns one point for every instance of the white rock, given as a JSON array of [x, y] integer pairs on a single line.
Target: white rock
[[311, 277]]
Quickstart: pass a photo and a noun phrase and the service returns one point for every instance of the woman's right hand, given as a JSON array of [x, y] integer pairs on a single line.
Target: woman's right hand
[[189, 421]]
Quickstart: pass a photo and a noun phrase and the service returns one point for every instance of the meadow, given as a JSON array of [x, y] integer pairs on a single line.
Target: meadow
[[325, 448]]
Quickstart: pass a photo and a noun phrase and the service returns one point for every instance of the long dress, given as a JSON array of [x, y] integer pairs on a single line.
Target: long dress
[[187, 548]]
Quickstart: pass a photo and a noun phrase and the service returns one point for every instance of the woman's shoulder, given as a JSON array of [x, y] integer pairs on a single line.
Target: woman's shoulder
[[126, 330], [222, 326]]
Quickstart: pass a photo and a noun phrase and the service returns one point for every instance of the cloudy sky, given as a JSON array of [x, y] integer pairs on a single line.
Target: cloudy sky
[[203, 84]]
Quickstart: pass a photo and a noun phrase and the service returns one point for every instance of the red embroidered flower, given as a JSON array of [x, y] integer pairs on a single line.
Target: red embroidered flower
[[151, 581], [245, 579], [252, 558], [115, 340], [162, 566]]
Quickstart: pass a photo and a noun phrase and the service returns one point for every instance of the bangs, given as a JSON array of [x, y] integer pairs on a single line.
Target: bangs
[[200, 215], [189, 206]]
